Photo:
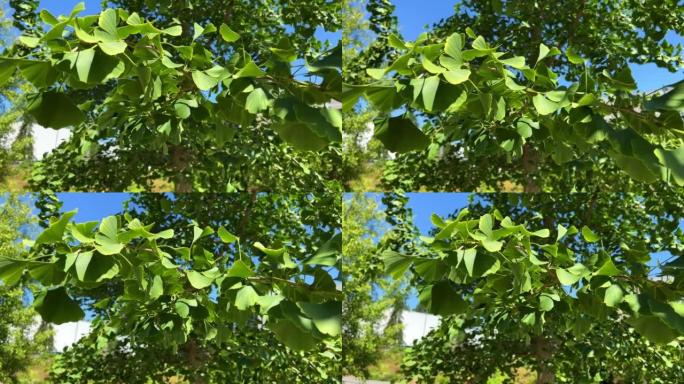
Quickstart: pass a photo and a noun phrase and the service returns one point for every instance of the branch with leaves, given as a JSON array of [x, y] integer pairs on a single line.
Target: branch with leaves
[[185, 292], [117, 78], [493, 104], [521, 279]]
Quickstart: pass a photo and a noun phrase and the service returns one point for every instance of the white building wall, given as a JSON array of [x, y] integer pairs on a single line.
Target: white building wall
[[47, 139], [69, 333], [417, 325]]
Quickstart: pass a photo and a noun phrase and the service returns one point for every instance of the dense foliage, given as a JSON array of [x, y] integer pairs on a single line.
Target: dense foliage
[[195, 292], [207, 104], [508, 110], [547, 292], [248, 357]]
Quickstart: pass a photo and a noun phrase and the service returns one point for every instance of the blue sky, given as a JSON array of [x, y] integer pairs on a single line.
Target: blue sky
[[92, 206], [414, 18]]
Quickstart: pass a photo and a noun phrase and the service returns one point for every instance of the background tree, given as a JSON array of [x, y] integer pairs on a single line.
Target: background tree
[[23, 339], [606, 353], [217, 139], [372, 303], [16, 148], [553, 291], [359, 150], [571, 145]]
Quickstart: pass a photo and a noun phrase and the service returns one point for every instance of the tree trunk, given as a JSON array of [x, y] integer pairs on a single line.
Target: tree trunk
[[194, 361], [179, 164], [530, 164], [543, 351]]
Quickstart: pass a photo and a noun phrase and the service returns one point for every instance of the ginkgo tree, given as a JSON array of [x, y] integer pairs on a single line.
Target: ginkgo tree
[[128, 88], [491, 105], [186, 298], [534, 294]]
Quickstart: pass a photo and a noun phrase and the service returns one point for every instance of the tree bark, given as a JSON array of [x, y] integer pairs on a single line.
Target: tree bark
[[179, 164], [543, 351], [194, 361], [530, 160]]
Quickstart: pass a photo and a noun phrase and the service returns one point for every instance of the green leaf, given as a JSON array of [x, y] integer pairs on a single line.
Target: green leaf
[[454, 46], [84, 62], [246, 298], [156, 288], [55, 110], [182, 110], [673, 100], [182, 309], [249, 70], [674, 161], [431, 67], [240, 269], [517, 62], [376, 73], [562, 231], [48, 18], [113, 48], [291, 335], [545, 303], [269, 251], [530, 319], [257, 101], [7, 69], [107, 246], [328, 253], [176, 30], [198, 280], [396, 42], [82, 262], [401, 135], [226, 236], [11, 271], [545, 52], [55, 231], [525, 126], [78, 8], [55, 306], [442, 299], [589, 235], [486, 223], [456, 76], [109, 227], [429, 91], [492, 245], [396, 264], [613, 295], [512, 85], [204, 81], [566, 278], [469, 256], [29, 41], [544, 106], [480, 44], [573, 57], [108, 21], [327, 317], [654, 329], [608, 269], [267, 302], [228, 34]]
